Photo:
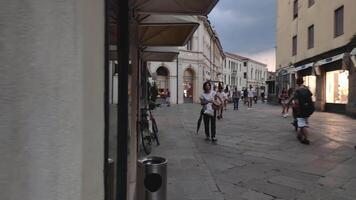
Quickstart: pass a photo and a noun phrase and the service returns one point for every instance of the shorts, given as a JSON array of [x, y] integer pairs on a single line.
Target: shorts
[[302, 122]]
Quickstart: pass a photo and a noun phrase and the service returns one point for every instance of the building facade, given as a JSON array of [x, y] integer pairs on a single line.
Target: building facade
[[234, 71], [202, 59], [316, 40], [256, 74]]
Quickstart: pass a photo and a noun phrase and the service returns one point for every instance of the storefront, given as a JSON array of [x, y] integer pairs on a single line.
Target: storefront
[[331, 77]]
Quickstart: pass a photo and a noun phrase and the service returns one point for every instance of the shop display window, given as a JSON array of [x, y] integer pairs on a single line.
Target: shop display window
[[310, 82], [337, 87]]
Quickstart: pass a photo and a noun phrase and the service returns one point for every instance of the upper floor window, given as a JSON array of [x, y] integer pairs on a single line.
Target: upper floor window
[[339, 21], [295, 9], [311, 37], [245, 64], [294, 46], [190, 45], [310, 3]]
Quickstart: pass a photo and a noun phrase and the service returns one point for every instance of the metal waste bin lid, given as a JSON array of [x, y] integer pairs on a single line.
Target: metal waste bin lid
[[154, 160]]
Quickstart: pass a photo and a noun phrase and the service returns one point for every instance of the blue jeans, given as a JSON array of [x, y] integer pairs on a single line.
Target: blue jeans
[[236, 103]]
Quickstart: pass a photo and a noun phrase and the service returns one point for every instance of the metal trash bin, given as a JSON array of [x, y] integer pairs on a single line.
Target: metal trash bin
[[152, 178]]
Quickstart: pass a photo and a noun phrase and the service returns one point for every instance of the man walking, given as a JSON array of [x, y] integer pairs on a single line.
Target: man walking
[[304, 109], [250, 95], [236, 95]]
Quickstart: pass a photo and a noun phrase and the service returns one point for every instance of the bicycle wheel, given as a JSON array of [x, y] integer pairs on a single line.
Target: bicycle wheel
[[145, 138], [155, 130]]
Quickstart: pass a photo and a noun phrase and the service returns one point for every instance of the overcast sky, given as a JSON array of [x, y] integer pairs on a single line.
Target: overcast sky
[[247, 27]]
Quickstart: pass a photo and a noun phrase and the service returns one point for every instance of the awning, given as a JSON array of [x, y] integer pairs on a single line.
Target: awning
[[166, 30], [162, 54], [184, 7], [320, 62]]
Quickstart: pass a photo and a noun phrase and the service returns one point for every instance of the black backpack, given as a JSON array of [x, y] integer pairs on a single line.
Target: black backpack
[[306, 104]]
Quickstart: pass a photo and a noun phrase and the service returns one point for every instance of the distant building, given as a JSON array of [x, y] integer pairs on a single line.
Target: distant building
[[234, 71], [314, 40]]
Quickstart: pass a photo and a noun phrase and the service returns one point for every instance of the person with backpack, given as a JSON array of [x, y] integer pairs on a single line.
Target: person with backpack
[[304, 107]]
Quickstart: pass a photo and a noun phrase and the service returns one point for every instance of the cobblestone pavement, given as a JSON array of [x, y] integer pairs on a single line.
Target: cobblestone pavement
[[257, 156]]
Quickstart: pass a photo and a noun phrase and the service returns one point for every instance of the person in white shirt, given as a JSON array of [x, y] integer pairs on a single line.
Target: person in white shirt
[[209, 116], [250, 95], [221, 94]]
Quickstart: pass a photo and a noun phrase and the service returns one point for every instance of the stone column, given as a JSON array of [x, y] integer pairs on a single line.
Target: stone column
[[351, 106], [52, 99]]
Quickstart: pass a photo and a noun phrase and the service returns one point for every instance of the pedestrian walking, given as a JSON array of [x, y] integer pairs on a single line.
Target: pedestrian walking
[[220, 93], [209, 111], [236, 95], [226, 96], [245, 94], [304, 106], [283, 97], [263, 96], [168, 97], [250, 95]]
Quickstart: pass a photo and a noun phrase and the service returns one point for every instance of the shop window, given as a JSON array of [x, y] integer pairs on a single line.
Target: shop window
[[310, 82], [339, 21], [337, 87]]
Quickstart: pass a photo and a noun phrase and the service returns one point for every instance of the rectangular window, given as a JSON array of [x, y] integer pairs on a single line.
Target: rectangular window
[[310, 3], [339, 21], [294, 46], [295, 9], [190, 45], [245, 64], [311, 37], [245, 75]]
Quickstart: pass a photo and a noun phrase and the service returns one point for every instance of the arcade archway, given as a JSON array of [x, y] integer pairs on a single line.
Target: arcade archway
[[188, 85]]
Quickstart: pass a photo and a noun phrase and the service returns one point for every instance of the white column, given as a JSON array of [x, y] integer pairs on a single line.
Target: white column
[[51, 83]]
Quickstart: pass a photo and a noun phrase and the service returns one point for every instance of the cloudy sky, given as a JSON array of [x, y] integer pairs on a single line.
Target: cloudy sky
[[247, 27]]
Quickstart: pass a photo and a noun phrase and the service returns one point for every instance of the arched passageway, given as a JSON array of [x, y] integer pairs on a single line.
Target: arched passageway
[[188, 85], [162, 81]]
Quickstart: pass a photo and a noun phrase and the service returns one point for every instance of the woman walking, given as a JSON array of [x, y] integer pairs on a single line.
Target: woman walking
[[284, 101], [209, 113], [221, 96]]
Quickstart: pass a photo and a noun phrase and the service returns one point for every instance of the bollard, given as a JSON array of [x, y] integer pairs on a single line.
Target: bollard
[[111, 180], [152, 178]]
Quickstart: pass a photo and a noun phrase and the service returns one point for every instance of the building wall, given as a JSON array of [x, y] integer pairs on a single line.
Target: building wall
[[256, 74], [205, 59], [321, 15], [52, 86], [236, 71]]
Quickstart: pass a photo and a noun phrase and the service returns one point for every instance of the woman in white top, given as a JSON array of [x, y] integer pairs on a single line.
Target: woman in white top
[[220, 93], [209, 116]]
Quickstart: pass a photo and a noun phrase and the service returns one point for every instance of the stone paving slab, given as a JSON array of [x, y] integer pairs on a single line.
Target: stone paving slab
[[257, 156]]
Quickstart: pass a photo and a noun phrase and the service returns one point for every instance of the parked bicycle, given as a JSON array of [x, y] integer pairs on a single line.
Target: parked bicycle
[[148, 130]]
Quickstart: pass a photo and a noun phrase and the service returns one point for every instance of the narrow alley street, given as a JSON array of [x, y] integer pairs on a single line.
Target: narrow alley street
[[257, 156]]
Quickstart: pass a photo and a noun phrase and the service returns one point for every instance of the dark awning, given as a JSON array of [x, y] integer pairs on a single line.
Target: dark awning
[[185, 7], [166, 30], [162, 54]]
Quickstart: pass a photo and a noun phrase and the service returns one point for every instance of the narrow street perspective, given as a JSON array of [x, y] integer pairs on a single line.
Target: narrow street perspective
[[178, 100], [257, 156]]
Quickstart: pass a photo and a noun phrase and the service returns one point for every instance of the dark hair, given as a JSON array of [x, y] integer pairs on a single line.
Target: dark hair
[[206, 83], [300, 81]]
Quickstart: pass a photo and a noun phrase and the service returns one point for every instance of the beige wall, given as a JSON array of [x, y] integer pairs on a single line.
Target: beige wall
[[52, 97], [321, 14]]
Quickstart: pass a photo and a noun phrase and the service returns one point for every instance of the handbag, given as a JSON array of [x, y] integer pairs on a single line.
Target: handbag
[[216, 103]]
